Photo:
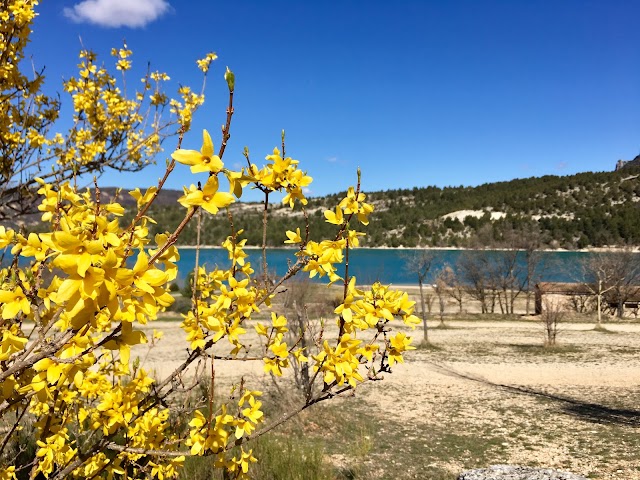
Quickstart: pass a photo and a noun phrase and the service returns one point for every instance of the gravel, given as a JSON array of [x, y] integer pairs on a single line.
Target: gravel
[[515, 472]]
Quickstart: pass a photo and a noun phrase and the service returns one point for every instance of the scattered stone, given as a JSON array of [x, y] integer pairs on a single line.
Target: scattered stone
[[516, 472]]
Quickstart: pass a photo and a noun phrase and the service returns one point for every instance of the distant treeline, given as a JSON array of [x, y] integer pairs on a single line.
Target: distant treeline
[[576, 211]]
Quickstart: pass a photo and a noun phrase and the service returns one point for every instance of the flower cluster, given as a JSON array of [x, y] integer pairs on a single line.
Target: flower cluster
[[104, 116], [282, 174], [322, 257], [112, 125], [86, 313]]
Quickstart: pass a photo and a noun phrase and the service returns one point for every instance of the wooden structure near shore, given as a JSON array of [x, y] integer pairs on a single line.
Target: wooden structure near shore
[[560, 292]]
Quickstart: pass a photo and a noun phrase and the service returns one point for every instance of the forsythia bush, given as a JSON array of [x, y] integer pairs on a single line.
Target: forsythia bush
[[73, 300]]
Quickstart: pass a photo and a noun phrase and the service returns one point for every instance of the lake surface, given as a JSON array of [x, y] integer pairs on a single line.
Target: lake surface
[[387, 265]]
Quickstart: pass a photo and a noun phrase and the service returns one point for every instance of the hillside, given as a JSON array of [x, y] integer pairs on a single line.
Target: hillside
[[576, 211]]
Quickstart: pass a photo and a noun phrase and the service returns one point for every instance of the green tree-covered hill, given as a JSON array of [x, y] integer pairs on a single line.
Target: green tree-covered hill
[[576, 211]]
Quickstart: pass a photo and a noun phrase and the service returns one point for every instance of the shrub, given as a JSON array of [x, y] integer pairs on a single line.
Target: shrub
[[71, 316], [551, 317]]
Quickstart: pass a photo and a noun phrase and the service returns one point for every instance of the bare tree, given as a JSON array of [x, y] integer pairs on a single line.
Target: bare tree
[[475, 271], [419, 263], [502, 276], [508, 278], [613, 278], [428, 301], [455, 288], [551, 317], [581, 303], [521, 264], [626, 280], [529, 241]]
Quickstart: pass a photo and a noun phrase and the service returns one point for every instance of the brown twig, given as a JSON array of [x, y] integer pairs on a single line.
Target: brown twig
[[13, 428], [265, 212], [161, 182], [225, 129], [194, 291]]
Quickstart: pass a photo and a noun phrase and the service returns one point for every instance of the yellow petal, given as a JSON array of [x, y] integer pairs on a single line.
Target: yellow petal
[[223, 199], [187, 157], [154, 277], [207, 144], [65, 240], [84, 262]]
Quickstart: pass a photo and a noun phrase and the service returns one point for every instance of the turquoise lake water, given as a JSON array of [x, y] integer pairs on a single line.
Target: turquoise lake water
[[383, 264]]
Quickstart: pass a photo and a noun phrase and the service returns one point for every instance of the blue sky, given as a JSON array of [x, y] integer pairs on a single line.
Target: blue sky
[[416, 93]]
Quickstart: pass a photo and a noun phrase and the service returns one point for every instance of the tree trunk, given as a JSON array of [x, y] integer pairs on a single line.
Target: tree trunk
[[599, 324], [424, 311], [500, 302], [620, 307]]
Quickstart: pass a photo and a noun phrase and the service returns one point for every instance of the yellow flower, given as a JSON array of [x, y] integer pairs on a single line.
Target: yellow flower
[[33, 247], [353, 203], [203, 64], [352, 238], [208, 198], [76, 252], [143, 199], [294, 237], [202, 161], [398, 344], [279, 323], [13, 302], [8, 473], [6, 236], [11, 344], [237, 181], [279, 349], [275, 365], [335, 218]]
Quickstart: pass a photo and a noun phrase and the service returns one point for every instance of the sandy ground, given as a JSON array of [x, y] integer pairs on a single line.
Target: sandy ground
[[575, 409]]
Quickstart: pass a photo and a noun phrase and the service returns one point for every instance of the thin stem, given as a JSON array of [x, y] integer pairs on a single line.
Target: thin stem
[[265, 213], [212, 391], [194, 281], [174, 236], [345, 290], [13, 428], [161, 182], [225, 129]]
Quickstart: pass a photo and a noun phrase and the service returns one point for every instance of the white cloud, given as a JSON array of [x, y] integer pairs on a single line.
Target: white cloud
[[332, 159], [117, 13]]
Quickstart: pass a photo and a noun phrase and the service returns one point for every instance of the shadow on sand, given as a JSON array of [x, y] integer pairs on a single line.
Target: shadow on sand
[[587, 411]]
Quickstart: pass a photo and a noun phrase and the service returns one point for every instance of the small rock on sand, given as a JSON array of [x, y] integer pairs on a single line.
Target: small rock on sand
[[515, 472]]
